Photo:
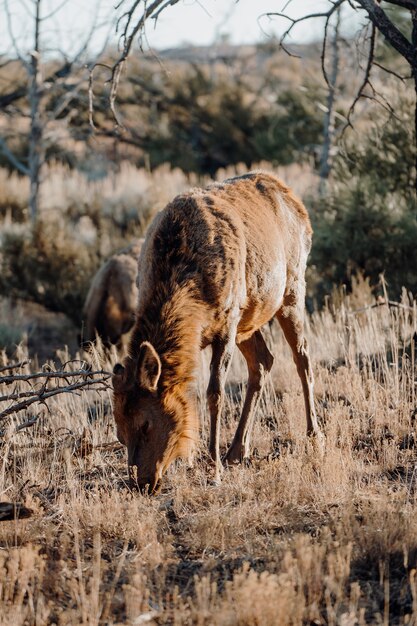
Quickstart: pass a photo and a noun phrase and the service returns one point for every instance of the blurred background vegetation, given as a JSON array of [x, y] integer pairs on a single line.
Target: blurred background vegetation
[[190, 115]]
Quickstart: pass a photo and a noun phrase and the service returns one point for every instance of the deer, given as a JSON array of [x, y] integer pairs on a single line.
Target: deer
[[216, 265], [109, 308]]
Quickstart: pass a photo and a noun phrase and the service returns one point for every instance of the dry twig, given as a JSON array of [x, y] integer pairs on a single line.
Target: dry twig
[[74, 381], [131, 27], [13, 366]]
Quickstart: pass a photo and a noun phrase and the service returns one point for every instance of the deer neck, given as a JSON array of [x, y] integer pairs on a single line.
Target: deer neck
[[173, 326]]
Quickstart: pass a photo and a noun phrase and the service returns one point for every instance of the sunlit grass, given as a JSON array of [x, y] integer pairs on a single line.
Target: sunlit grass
[[296, 538]]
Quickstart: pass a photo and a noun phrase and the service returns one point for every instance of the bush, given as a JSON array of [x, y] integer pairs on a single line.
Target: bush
[[292, 131], [10, 337], [47, 265], [368, 221], [207, 123]]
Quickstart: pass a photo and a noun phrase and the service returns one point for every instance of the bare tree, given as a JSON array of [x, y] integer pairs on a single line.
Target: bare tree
[[133, 16], [379, 22], [36, 148], [66, 80], [329, 117]]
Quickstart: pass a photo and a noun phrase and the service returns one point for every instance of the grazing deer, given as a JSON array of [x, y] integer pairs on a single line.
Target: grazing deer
[[109, 309], [216, 264]]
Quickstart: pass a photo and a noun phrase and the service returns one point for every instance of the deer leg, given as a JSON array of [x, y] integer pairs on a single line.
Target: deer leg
[[291, 319], [220, 362], [259, 361]]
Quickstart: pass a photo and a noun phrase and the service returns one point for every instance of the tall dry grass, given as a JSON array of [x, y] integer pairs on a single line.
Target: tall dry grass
[[295, 538], [81, 222], [73, 194]]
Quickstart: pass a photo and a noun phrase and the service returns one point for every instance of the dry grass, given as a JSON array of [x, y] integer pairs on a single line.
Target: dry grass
[[293, 539], [81, 223], [71, 194]]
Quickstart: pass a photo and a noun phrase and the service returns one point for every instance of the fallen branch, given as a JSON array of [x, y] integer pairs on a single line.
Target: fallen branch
[[19, 400], [42, 396], [30, 422], [13, 366], [13, 378]]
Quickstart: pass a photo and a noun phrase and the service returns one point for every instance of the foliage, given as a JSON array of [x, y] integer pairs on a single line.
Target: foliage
[[292, 131], [198, 117], [368, 221], [47, 265], [208, 123]]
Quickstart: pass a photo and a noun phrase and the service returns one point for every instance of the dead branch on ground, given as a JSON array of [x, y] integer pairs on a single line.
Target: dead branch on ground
[[46, 384]]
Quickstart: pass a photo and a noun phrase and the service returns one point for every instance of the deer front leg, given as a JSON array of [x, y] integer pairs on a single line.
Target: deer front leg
[[220, 362], [259, 361]]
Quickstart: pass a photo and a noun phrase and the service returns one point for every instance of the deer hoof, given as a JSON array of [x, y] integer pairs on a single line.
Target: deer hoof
[[235, 456]]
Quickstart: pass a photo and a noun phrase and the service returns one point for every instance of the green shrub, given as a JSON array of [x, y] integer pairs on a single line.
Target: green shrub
[[47, 265], [207, 123], [291, 131], [368, 221], [10, 337]]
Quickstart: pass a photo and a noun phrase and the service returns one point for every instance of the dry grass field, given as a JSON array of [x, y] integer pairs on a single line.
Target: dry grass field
[[294, 538], [299, 536]]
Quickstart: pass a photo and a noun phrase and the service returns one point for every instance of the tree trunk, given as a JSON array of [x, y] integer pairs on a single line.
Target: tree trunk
[[36, 126], [328, 126], [414, 72], [415, 134]]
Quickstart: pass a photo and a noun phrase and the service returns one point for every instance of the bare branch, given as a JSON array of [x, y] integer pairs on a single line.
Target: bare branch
[[365, 82], [91, 90], [20, 400], [20, 406], [21, 394], [87, 373], [323, 53], [168, 3], [23, 169], [14, 366], [129, 16], [411, 5], [128, 38], [391, 33], [303, 18], [295, 21], [392, 72], [380, 22], [54, 11]]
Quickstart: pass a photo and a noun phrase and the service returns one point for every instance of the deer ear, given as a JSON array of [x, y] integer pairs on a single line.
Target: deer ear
[[149, 367]]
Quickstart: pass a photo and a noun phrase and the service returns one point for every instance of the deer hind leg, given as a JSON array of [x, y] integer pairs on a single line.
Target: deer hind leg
[[291, 319], [219, 366], [259, 361]]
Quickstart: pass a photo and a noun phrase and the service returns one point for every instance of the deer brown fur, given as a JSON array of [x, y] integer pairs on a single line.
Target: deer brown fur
[[216, 264], [109, 309]]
